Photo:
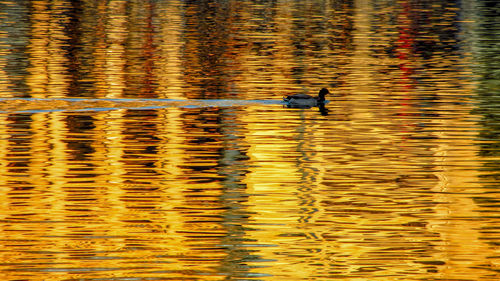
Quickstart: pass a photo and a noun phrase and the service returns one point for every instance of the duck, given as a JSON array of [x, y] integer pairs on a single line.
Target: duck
[[306, 101]]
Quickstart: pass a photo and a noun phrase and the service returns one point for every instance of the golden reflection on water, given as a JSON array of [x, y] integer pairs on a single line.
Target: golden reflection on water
[[396, 182]]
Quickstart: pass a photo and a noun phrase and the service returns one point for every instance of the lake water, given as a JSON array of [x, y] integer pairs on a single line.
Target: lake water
[[147, 140]]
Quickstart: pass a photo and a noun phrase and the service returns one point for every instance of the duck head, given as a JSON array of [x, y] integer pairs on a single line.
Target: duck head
[[322, 93]]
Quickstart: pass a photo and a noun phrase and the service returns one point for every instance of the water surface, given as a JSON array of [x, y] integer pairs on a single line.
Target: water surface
[[147, 140]]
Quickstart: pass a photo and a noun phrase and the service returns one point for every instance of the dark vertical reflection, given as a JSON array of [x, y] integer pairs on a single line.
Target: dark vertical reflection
[[321, 31], [13, 46], [207, 35], [89, 23], [141, 48], [74, 48], [18, 156], [233, 167], [487, 62], [142, 156], [488, 69]]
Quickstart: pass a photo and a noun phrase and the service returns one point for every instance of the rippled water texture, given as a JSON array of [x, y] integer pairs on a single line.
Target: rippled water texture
[[148, 140]]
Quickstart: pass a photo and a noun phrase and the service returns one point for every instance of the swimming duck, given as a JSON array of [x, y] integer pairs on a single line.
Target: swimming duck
[[306, 101]]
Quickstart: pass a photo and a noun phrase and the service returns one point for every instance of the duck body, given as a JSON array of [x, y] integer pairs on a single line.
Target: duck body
[[306, 101]]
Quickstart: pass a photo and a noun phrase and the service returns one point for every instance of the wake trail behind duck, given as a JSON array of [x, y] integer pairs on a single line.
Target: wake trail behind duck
[[34, 105]]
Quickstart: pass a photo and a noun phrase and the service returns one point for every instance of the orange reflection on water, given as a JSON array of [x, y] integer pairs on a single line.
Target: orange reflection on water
[[390, 184], [48, 64]]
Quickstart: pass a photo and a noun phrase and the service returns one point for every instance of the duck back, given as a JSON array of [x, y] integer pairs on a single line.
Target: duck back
[[300, 96]]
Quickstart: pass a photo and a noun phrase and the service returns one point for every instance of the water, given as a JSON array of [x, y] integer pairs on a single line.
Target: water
[[147, 140]]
